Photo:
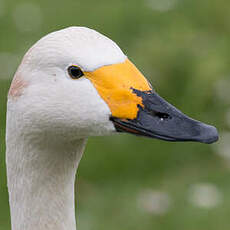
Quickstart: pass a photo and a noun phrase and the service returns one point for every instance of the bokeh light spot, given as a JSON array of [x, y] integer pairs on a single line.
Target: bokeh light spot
[[205, 195], [27, 17], [162, 5], [222, 90], [154, 202], [223, 145]]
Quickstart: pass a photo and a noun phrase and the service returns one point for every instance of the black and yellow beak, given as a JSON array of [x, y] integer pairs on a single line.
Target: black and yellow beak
[[159, 119], [136, 108]]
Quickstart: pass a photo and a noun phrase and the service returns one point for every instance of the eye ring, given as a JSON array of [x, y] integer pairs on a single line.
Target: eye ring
[[75, 72]]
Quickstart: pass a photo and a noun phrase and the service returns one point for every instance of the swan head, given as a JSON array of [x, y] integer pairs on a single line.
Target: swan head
[[76, 83]]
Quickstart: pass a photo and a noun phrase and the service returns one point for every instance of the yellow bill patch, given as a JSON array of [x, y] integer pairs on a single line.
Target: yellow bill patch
[[114, 83]]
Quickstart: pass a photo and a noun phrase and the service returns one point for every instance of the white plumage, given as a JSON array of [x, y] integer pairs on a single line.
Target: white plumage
[[49, 116]]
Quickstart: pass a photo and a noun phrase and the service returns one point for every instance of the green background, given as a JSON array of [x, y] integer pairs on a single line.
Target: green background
[[127, 182]]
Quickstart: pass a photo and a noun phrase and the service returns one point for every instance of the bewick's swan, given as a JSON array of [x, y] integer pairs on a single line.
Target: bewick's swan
[[72, 84]]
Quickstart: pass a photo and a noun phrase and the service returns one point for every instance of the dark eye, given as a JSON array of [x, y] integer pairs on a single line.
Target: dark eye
[[75, 72]]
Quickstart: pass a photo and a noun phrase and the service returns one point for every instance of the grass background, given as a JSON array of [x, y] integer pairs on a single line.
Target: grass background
[[126, 182]]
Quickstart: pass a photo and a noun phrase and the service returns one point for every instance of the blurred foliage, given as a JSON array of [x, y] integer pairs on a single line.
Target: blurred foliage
[[183, 47]]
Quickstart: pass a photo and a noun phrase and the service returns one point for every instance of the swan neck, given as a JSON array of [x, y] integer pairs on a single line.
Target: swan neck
[[41, 180]]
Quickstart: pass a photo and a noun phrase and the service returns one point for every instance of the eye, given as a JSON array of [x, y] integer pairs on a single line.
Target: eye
[[75, 72]]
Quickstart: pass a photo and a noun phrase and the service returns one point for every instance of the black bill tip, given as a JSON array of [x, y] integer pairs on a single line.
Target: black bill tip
[[208, 134]]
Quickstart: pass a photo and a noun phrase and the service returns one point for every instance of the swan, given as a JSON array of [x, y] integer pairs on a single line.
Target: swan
[[72, 84]]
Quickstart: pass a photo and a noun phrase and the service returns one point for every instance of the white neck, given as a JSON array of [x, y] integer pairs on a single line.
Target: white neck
[[41, 182]]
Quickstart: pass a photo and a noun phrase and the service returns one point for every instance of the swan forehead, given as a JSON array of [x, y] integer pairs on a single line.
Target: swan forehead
[[75, 45]]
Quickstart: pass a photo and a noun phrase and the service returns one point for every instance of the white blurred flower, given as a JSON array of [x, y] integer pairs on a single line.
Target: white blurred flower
[[205, 195], [162, 5], [27, 17], [154, 202], [8, 64], [222, 90], [223, 145]]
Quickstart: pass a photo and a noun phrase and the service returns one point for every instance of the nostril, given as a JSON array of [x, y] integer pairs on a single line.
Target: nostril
[[162, 116]]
